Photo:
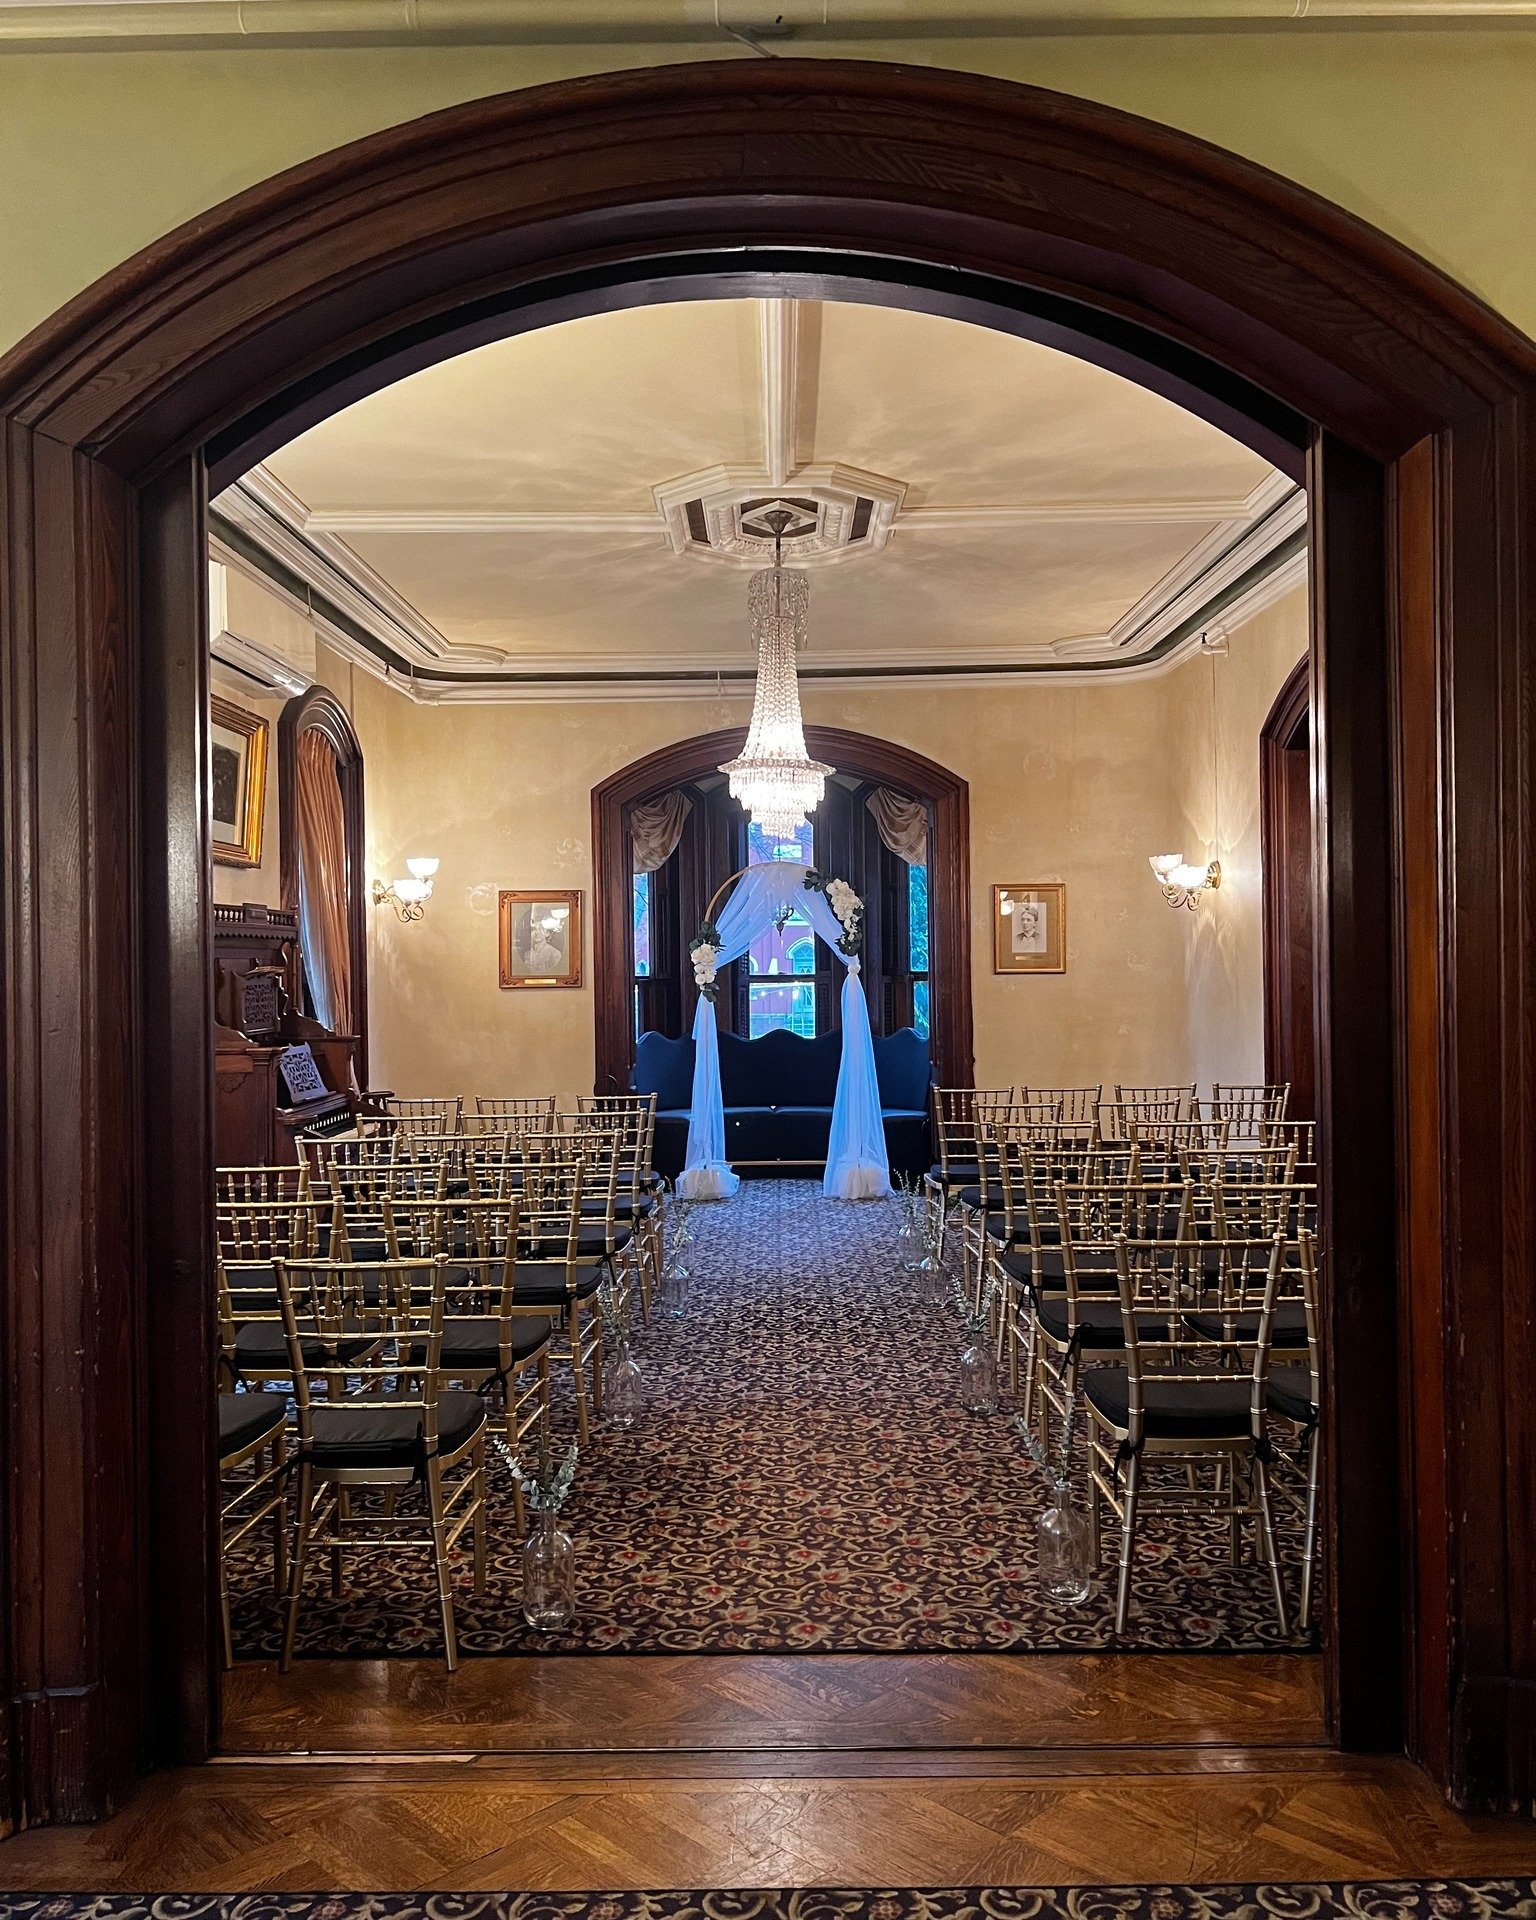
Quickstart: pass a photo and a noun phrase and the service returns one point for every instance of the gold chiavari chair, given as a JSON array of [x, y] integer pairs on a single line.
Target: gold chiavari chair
[[397, 1429], [492, 1342], [641, 1195], [334, 1163], [251, 1237], [252, 1434], [1176, 1400], [1079, 1315], [556, 1274], [1179, 1149], [985, 1210], [1251, 1211], [1293, 1393], [954, 1123], [425, 1116]]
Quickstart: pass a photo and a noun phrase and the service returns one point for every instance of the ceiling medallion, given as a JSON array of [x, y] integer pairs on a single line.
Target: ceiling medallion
[[830, 512]]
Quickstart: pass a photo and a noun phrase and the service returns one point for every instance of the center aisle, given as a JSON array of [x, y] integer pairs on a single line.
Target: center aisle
[[802, 1478]]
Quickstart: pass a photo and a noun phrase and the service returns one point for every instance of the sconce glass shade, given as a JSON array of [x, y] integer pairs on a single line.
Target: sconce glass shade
[[413, 890], [1181, 881], [422, 867], [1162, 864]]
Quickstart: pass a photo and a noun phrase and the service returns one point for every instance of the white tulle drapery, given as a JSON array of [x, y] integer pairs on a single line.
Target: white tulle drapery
[[857, 1164]]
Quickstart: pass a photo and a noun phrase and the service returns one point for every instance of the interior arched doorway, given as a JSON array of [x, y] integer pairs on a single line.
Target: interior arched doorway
[[1285, 833], [1288, 322], [946, 796]]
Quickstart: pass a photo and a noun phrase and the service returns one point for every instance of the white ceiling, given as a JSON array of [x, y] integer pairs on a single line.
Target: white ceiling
[[500, 505]]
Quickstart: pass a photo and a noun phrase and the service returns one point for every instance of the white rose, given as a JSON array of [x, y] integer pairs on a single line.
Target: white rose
[[704, 956]]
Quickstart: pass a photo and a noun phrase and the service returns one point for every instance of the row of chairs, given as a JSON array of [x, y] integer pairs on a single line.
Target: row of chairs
[[1161, 1281], [409, 1301]]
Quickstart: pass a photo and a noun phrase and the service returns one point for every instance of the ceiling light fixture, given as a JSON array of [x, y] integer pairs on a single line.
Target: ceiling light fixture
[[774, 777]]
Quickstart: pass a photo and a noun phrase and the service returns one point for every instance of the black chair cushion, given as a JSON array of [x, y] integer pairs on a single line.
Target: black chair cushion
[[246, 1418], [541, 1283], [593, 1241], [961, 1173], [474, 1345], [1201, 1410], [349, 1435], [260, 1347], [1290, 1394]]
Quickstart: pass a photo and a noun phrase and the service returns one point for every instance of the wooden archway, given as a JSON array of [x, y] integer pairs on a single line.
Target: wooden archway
[[856, 753], [1286, 860], [319, 711], [1286, 320]]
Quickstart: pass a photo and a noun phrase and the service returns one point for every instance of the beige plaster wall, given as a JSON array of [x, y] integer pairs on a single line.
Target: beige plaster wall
[[1216, 708], [1069, 783], [1430, 135]]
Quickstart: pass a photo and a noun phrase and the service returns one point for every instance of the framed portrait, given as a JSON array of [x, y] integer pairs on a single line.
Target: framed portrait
[[539, 937], [237, 783], [1029, 928]]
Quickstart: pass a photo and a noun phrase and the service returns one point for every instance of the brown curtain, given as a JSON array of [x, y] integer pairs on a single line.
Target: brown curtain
[[323, 881], [902, 824], [656, 826]]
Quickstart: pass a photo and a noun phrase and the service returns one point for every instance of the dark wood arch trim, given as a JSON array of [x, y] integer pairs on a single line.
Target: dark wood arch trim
[[856, 753], [319, 711], [1285, 802], [512, 211]]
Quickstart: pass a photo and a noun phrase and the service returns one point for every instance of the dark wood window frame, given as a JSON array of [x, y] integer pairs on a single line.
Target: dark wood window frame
[[320, 711], [945, 793], [1285, 755], [1313, 337]]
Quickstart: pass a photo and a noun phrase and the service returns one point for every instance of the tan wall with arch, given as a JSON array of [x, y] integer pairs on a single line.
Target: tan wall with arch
[[1072, 782]]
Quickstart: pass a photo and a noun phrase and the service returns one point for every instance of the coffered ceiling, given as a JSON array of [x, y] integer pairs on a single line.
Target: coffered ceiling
[[580, 502]]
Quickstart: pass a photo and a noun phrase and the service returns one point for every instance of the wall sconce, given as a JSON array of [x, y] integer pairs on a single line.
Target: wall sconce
[[1183, 884], [408, 896]]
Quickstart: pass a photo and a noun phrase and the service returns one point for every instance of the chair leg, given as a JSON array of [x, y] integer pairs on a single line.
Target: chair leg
[[434, 1479], [304, 1503], [1261, 1487], [280, 1514], [573, 1336], [227, 1638], [1127, 1541], [1309, 1544], [478, 1496]]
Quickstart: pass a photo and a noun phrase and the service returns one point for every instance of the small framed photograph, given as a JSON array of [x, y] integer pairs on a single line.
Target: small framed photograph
[[1029, 928], [539, 937], [237, 783]]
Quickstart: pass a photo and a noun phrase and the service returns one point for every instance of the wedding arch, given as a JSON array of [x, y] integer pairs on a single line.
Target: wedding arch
[[857, 1165]]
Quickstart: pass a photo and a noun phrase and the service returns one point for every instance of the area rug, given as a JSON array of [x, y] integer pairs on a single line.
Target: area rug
[[1323, 1900], [803, 1478]]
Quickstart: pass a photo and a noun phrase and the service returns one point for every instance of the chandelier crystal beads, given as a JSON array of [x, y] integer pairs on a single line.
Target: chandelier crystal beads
[[774, 777]]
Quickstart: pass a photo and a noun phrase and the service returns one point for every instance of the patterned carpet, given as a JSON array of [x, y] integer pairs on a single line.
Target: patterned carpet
[[1324, 1900], [803, 1478]]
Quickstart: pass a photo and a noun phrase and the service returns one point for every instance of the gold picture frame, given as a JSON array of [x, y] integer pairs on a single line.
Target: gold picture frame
[[1029, 927], [538, 937], [237, 783]]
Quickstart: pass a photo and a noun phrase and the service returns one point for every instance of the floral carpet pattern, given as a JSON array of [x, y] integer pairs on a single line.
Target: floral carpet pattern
[[1323, 1900], [803, 1478]]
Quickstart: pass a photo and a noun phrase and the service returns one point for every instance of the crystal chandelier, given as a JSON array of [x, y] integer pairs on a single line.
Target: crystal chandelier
[[774, 778]]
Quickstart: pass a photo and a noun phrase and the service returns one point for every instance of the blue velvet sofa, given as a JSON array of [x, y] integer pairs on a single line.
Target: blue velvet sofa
[[778, 1097]]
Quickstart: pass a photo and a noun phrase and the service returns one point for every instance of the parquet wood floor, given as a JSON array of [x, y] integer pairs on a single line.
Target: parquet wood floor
[[1196, 1815], [737, 1703]]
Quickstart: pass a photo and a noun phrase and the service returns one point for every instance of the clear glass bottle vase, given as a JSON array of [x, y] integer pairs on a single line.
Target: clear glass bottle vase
[[1066, 1552], [549, 1575], [623, 1386], [978, 1374]]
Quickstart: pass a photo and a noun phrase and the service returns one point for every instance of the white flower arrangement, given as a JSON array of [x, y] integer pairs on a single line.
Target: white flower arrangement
[[704, 950], [846, 905]]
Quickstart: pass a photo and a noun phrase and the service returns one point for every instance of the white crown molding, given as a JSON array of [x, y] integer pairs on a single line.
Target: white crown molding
[[307, 546]]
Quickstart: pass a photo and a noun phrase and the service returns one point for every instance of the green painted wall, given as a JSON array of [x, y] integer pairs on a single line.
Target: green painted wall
[[1429, 135]]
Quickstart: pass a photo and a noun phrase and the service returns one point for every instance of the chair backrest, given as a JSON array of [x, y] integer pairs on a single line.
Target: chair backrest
[[1247, 1109], [1079, 1104], [261, 1231], [1158, 1279], [1004, 1136], [337, 1164], [631, 1119], [1307, 1259], [954, 1118], [1091, 1217], [263, 1183], [426, 1114], [323, 1302], [521, 1106], [1151, 1103]]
